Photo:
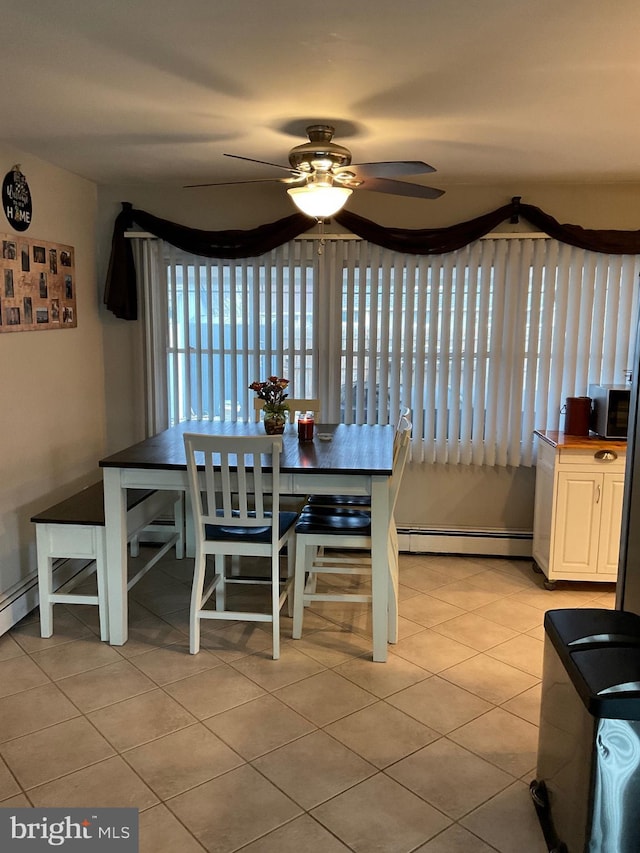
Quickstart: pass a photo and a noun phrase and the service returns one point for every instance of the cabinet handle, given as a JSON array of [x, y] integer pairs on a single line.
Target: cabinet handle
[[598, 493], [606, 455]]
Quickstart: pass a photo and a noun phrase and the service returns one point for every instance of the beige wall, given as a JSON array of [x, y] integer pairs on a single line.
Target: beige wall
[[52, 412], [432, 496]]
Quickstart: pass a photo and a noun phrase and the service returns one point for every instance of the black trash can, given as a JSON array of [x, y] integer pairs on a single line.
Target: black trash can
[[587, 786]]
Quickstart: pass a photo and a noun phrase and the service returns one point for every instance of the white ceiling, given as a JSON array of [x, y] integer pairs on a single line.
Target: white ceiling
[[484, 90]]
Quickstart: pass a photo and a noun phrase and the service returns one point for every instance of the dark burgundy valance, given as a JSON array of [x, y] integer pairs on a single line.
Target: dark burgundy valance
[[120, 290]]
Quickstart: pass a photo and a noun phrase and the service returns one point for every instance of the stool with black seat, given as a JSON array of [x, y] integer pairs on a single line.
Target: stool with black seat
[[346, 529], [358, 501], [362, 502], [227, 485]]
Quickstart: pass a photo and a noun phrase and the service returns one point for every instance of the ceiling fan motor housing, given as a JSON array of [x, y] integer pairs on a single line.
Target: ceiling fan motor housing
[[321, 164], [320, 154]]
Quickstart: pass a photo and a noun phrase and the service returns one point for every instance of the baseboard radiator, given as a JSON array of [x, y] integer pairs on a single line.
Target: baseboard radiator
[[466, 541], [21, 599]]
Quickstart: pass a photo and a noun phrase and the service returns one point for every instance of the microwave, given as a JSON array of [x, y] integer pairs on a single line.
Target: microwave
[[610, 410]]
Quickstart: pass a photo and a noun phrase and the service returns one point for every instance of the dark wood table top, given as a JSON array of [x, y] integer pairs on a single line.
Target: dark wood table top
[[353, 449], [86, 507]]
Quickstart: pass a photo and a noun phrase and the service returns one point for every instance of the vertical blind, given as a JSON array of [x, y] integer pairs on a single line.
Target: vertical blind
[[483, 344]]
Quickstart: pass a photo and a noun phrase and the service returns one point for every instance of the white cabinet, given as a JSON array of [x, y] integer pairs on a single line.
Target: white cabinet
[[578, 509]]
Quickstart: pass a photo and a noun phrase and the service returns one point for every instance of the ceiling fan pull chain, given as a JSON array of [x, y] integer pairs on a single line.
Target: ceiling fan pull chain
[[321, 241]]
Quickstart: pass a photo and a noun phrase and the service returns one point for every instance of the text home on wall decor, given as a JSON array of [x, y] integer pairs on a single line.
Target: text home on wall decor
[[16, 199], [37, 285]]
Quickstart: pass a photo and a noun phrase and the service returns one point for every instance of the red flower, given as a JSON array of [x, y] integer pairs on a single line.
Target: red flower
[[272, 392]]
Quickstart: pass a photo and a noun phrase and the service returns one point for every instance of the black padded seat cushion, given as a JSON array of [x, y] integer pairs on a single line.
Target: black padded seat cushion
[[333, 520], [339, 500], [220, 533]]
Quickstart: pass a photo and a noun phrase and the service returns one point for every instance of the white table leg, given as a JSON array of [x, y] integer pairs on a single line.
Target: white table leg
[[115, 514], [379, 565], [45, 580]]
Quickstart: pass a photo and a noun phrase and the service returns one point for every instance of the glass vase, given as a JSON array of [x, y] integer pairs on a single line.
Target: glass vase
[[274, 423]]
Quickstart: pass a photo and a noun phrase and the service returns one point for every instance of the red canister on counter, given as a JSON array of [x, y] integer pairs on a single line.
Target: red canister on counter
[[577, 415]]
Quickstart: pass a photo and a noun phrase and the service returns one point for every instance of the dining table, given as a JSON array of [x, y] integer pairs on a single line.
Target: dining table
[[346, 459]]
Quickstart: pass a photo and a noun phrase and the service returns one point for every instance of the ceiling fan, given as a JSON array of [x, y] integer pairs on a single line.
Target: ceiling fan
[[322, 176]]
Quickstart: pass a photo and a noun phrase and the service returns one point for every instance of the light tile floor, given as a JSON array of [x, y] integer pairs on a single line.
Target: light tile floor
[[322, 751]]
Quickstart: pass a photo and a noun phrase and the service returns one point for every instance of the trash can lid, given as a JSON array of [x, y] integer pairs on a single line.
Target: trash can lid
[[607, 680], [580, 628]]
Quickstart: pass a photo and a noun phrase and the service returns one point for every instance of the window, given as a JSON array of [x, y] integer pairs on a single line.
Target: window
[[229, 324], [483, 344]]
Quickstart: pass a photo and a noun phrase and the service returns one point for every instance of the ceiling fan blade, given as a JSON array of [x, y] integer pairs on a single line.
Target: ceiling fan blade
[[391, 169], [262, 162], [384, 185], [230, 183]]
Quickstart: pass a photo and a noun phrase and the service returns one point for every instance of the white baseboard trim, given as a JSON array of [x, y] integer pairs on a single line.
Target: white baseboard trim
[[486, 543], [22, 598]]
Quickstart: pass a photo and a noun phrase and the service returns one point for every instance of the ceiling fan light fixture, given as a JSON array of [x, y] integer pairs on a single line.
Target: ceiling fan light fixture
[[319, 201]]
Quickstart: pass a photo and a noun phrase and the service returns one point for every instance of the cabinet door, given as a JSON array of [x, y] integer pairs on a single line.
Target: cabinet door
[[610, 524], [577, 524]]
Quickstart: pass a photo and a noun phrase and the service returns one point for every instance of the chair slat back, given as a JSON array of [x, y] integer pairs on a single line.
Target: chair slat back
[[404, 417], [294, 404], [402, 442], [233, 466], [405, 414]]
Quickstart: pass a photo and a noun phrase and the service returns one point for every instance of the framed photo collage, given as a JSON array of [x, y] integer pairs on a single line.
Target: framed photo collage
[[37, 285]]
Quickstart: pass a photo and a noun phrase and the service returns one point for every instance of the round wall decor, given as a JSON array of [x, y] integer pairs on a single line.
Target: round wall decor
[[16, 199]]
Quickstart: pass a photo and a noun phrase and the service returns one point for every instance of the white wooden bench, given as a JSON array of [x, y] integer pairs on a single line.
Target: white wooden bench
[[75, 529]]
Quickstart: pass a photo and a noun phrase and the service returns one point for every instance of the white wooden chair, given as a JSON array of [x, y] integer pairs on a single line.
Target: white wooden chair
[[345, 528], [227, 485]]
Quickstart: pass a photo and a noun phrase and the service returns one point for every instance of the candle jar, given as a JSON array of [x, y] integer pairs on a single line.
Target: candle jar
[[306, 423]]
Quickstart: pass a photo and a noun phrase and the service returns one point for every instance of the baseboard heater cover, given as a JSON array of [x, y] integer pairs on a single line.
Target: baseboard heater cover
[[466, 541]]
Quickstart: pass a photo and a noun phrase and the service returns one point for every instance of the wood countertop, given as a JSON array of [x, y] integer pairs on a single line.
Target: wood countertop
[[558, 439]]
